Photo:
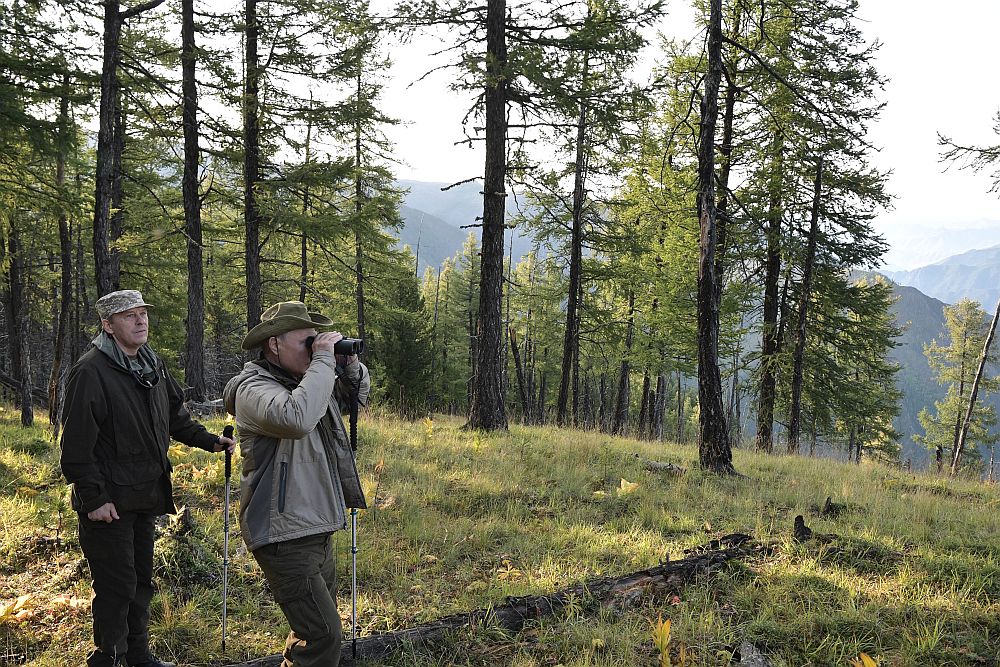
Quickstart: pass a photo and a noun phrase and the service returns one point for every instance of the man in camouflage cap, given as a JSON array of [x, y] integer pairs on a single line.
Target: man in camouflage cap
[[122, 408]]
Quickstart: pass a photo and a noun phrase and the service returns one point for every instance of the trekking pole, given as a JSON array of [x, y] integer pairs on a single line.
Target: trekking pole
[[226, 433], [354, 527]]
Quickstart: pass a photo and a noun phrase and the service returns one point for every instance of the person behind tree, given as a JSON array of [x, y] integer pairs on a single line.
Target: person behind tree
[[299, 475], [122, 408]]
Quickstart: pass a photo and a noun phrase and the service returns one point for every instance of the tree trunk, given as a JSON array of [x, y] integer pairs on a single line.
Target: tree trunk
[[522, 389], [620, 424], [81, 304], [644, 405], [194, 349], [714, 452], [304, 244], [572, 333], [733, 415], [957, 431], [359, 204], [660, 406], [798, 355], [59, 349], [251, 170], [18, 320], [726, 150], [107, 279], [769, 341], [473, 335], [680, 410], [983, 359], [603, 413], [488, 410], [543, 387], [432, 395]]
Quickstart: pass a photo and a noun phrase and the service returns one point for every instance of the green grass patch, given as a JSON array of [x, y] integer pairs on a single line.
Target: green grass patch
[[908, 572]]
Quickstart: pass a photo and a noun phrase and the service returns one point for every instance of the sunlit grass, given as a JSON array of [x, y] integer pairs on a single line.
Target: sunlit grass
[[909, 572]]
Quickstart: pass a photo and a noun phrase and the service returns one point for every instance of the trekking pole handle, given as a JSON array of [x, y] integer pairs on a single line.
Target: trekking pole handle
[[228, 433]]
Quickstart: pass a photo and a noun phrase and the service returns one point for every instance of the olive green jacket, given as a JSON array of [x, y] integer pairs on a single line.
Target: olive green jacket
[[299, 475], [116, 433]]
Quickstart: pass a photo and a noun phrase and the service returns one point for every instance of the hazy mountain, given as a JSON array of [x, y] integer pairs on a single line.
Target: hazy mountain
[[430, 238], [442, 219], [974, 274], [922, 319], [914, 246]]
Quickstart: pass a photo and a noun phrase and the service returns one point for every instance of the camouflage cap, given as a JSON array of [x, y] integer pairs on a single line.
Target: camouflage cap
[[120, 301]]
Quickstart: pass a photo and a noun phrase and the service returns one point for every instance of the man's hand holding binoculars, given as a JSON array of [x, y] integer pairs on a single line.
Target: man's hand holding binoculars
[[328, 341]]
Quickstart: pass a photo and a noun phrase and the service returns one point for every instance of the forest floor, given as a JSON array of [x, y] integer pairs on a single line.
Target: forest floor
[[906, 572]]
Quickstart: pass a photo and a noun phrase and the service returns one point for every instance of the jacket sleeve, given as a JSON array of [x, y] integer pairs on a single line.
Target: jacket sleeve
[[265, 406], [182, 427], [85, 409], [350, 376]]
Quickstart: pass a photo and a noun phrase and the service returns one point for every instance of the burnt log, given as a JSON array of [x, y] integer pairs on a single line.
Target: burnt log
[[663, 579]]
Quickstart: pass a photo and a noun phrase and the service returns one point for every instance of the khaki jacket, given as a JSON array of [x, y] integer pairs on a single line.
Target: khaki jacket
[[299, 475]]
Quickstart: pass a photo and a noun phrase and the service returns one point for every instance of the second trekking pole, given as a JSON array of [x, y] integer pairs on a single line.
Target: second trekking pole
[[355, 388], [228, 433]]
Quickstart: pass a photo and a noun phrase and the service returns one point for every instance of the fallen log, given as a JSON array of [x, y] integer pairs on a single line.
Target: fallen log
[[663, 579], [38, 396]]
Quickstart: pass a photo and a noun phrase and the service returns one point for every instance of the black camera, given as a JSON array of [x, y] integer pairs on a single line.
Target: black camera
[[346, 346]]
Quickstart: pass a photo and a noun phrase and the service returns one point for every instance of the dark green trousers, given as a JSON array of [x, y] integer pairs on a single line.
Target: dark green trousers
[[302, 574], [120, 556]]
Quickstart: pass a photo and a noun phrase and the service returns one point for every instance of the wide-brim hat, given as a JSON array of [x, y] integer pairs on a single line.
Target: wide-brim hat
[[282, 318]]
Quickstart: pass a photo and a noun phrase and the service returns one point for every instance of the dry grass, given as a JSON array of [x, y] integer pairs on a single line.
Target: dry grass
[[909, 572]]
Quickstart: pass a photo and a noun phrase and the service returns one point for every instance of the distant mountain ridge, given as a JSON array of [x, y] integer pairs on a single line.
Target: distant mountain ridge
[[973, 275], [914, 246], [436, 222]]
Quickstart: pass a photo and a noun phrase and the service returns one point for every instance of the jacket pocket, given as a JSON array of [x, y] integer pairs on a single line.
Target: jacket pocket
[[135, 486], [282, 486]]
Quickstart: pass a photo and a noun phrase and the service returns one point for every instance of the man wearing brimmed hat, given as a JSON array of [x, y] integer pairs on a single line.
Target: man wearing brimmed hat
[[299, 475], [122, 408]]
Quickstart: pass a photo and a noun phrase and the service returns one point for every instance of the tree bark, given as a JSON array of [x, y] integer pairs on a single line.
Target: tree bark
[[798, 355], [726, 150], [18, 325], [359, 202], [107, 279], [304, 244], [432, 394], [714, 452], [522, 389], [620, 424], [974, 392], [572, 333], [680, 410], [251, 170], [59, 349], [543, 388], [488, 411], [659, 406], [769, 342], [644, 405], [194, 348]]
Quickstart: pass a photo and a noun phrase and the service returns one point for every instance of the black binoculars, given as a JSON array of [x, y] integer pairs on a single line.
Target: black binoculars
[[348, 346]]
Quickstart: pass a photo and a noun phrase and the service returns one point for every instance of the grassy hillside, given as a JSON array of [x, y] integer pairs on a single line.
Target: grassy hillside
[[909, 572]]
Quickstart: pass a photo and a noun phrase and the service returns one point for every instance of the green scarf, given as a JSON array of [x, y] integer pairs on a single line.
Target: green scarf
[[144, 364]]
